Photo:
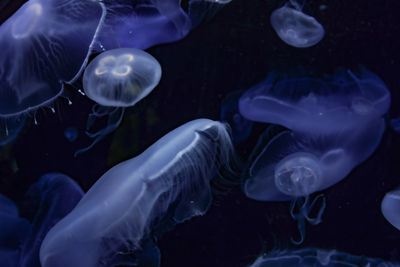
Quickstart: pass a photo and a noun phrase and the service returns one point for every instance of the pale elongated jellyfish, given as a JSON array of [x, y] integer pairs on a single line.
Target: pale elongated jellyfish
[[296, 28], [316, 257], [170, 181], [391, 207], [335, 124], [45, 43], [142, 24], [117, 79]]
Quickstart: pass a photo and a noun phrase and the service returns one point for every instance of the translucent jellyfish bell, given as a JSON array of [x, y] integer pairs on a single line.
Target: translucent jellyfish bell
[[296, 28], [121, 77], [391, 207], [315, 257], [45, 43], [142, 24], [170, 181]]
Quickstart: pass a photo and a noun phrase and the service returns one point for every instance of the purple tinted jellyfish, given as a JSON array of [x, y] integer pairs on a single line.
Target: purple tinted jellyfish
[[335, 125], [50, 199], [45, 43], [296, 28], [315, 257], [170, 181], [117, 79], [391, 207], [142, 24], [203, 10]]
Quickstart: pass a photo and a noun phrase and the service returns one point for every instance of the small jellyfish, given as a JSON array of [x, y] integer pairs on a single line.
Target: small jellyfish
[[142, 24], [203, 10], [296, 28], [71, 133], [395, 123], [168, 182], [117, 79], [121, 77], [391, 207], [334, 125], [241, 127], [315, 257], [44, 44]]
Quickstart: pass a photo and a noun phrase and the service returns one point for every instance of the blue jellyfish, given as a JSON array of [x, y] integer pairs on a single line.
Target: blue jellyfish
[[51, 198], [334, 125], [316, 257], [45, 43], [117, 79], [170, 181], [296, 28], [142, 24], [204, 10], [391, 207], [241, 127], [395, 123], [71, 133]]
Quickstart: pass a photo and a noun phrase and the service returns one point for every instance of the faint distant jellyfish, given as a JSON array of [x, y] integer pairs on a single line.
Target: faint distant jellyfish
[[45, 43], [241, 127], [395, 123], [315, 257], [117, 79], [334, 126], [170, 181], [142, 24], [391, 207], [296, 28], [71, 133], [203, 10]]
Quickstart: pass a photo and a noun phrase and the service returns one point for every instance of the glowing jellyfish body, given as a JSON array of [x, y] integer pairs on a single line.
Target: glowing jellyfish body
[[45, 43], [296, 28], [335, 125], [315, 257], [168, 180], [121, 77], [391, 208], [142, 24], [51, 198]]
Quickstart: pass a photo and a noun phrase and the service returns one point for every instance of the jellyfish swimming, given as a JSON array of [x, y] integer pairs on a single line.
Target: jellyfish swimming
[[296, 28], [117, 79], [170, 181], [71, 133], [241, 127], [203, 10], [44, 44], [142, 24], [49, 200], [334, 125], [391, 207], [315, 257]]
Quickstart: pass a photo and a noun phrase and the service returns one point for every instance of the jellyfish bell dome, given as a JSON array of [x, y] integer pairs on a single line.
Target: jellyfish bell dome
[[390, 207], [296, 28], [121, 77]]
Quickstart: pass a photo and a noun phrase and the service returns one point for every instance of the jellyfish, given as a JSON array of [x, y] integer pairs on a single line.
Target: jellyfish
[[203, 10], [71, 133], [333, 126], [315, 257], [50, 199], [117, 79], [395, 123], [168, 182], [241, 127], [391, 207], [296, 28], [142, 24], [44, 44]]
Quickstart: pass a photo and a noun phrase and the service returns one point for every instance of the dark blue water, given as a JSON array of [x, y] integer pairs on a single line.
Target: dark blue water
[[233, 51]]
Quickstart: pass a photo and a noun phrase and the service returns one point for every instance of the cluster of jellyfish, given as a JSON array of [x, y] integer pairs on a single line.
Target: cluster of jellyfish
[[329, 126]]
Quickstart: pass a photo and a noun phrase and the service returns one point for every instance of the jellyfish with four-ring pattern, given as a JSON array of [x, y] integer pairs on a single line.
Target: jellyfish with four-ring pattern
[[117, 79], [115, 221], [44, 44], [296, 28], [334, 124]]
